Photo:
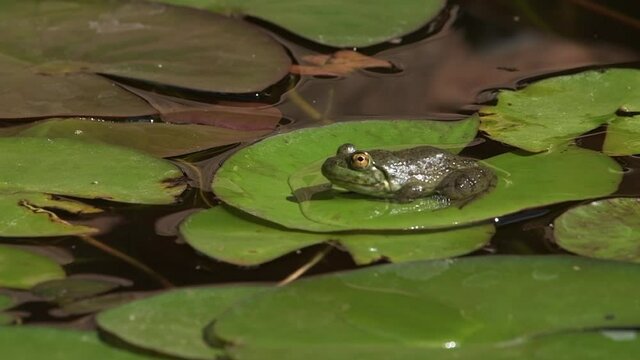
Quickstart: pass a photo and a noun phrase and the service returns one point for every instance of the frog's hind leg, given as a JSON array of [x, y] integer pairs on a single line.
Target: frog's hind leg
[[464, 185]]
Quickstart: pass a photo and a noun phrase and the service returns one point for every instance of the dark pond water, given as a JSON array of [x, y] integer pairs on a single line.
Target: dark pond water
[[447, 69]]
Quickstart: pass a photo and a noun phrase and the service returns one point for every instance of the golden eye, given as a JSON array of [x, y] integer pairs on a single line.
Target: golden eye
[[360, 160]]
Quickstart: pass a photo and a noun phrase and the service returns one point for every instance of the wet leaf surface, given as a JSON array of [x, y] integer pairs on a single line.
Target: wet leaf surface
[[340, 63], [39, 343], [158, 139], [172, 323], [21, 269], [238, 238], [30, 214], [80, 169], [553, 111], [255, 179], [332, 22], [606, 229], [623, 136], [472, 304], [58, 45]]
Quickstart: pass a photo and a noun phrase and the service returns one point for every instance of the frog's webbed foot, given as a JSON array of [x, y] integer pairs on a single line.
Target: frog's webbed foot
[[465, 185]]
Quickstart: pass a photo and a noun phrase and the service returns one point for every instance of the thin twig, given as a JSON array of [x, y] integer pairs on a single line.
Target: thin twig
[[316, 259], [200, 180], [605, 11], [126, 258], [306, 107]]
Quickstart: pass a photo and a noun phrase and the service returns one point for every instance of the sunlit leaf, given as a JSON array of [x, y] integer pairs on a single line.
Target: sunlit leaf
[[22, 269], [553, 111], [606, 229], [159, 139], [354, 23], [473, 303], [78, 168], [278, 179], [172, 323], [238, 238], [623, 136]]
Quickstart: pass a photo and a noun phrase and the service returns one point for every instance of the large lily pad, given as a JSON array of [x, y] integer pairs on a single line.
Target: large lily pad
[[606, 229], [256, 179], [40, 343], [333, 22], [623, 137], [553, 111], [26, 214], [163, 140], [172, 323], [78, 168], [241, 239], [176, 46], [22, 269], [468, 303]]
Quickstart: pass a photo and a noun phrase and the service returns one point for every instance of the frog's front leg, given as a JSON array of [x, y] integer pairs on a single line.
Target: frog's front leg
[[411, 190], [465, 185]]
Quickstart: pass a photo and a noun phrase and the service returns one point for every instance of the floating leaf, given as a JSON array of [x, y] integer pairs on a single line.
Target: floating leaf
[[553, 111], [94, 304], [172, 323], [39, 343], [162, 140], [256, 179], [623, 137], [22, 269], [78, 168], [26, 214], [238, 238], [340, 63], [73, 288], [240, 116], [71, 39], [606, 229], [333, 22], [468, 303]]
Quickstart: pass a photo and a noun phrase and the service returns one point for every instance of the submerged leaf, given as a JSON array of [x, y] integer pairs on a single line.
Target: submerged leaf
[[172, 323], [473, 303], [21, 269], [241, 239], [623, 137], [87, 170], [162, 140], [606, 229], [340, 63], [354, 23], [73, 288], [553, 111]]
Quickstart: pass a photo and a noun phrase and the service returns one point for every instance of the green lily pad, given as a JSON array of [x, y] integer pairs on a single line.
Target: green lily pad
[[162, 140], [606, 229], [40, 343], [261, 179], [24, 215], [130, 39], [172, 323], [623, 137], [78, 168], [241, 239], [73, 288], [22, 269], [333, 22], [579, 345], [433, 305], [553, 111]]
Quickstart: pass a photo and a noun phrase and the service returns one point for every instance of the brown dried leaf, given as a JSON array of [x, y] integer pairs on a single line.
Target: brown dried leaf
[[340, 63]]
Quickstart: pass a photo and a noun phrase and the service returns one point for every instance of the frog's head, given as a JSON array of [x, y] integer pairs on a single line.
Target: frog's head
[[356, 171]]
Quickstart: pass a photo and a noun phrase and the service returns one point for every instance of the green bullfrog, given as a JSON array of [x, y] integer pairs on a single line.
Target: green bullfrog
[[408, 174]]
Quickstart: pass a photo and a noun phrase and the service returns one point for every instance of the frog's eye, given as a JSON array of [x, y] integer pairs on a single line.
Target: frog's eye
[[360, 160]]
